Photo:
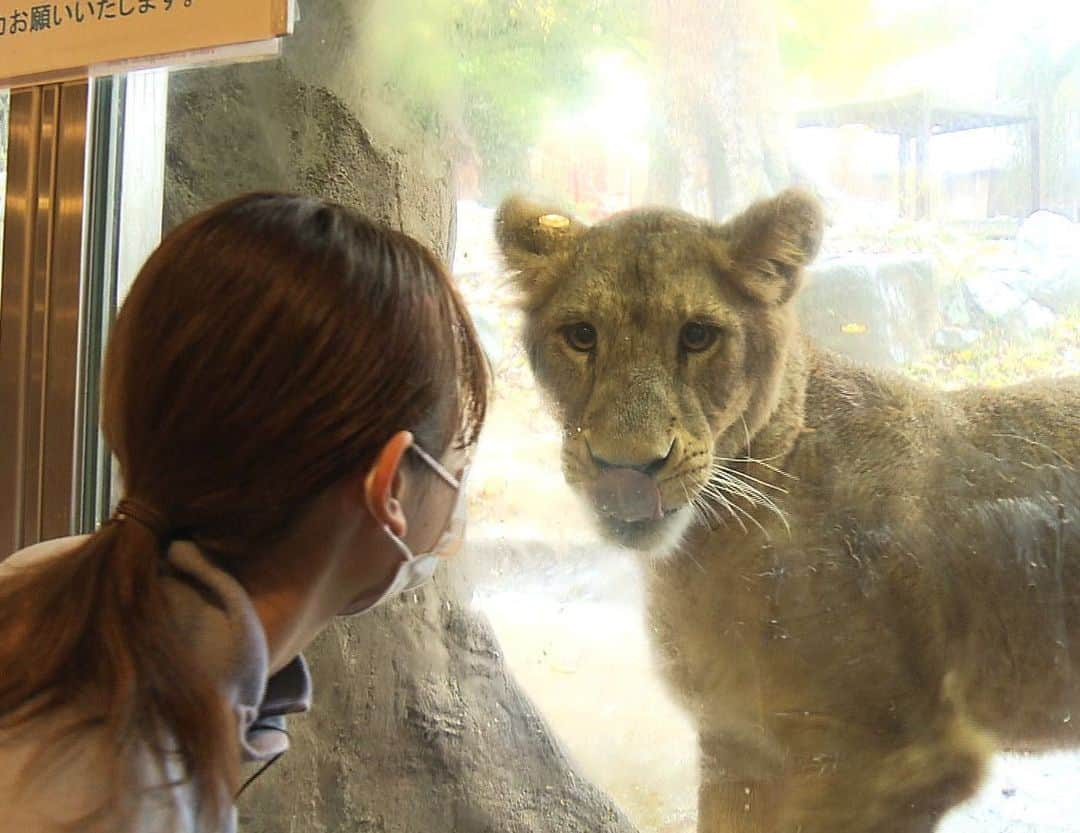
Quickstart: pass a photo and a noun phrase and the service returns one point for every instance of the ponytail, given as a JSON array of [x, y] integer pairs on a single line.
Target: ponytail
[[87, 637]]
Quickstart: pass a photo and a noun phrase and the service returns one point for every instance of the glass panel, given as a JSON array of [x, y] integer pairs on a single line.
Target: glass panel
[[943, 147], [766, 610]]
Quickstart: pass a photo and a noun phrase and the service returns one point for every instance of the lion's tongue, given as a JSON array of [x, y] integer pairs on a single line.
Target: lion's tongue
[[627, 495]]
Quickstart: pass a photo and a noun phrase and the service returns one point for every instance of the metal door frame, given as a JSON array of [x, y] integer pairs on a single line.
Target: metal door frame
[[77, 232], [40, 309]]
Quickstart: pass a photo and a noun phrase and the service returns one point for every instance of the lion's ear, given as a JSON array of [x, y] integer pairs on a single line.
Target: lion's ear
[[535, 239], [771, 242]]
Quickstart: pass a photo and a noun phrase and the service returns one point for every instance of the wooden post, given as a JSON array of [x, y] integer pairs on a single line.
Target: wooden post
[[903, 163], [1036, 162], [922, 162]]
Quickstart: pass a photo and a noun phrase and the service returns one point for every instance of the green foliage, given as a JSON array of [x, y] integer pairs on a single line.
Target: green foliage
[[487, 72], [839, 45], [995, 361]]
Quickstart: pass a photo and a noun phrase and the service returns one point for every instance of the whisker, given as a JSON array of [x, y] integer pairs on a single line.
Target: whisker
[[750, 457], [698, 516], [740, 487], [731, 485], [759, 462], [744, 475], [705, 508], [724, 481], [767, 502], [752, 520], [701, 509], [727, 504]]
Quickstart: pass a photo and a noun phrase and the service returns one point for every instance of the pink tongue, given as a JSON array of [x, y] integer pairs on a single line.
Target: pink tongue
[[627, 495]]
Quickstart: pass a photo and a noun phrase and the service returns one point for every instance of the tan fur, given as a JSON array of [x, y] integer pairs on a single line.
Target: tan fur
[[854, 653]]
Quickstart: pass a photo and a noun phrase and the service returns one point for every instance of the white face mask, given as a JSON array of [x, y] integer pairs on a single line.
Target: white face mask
[[417, 569]]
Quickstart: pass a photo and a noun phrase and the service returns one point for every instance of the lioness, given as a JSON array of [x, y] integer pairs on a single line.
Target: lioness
[[859, 587]]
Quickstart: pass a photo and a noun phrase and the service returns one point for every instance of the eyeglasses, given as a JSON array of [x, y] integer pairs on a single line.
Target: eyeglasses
[[439, 468], [454, 534]]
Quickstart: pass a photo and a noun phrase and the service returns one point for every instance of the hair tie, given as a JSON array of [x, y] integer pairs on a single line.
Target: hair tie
[[133, 509]]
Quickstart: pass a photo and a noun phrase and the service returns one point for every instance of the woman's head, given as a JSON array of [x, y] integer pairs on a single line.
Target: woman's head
[[271, 346]]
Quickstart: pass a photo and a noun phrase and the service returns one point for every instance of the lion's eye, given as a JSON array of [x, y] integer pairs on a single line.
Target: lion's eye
[[580, 336], [696, 337]]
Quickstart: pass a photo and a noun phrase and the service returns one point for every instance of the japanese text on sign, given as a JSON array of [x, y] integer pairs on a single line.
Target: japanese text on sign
[[51, 40], [42, 17]]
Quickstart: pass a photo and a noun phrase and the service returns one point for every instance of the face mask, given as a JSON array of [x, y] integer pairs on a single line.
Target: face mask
[[416, 570]]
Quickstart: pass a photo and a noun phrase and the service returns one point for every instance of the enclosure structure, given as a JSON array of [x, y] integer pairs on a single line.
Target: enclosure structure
[[915, 119], [523, 690]]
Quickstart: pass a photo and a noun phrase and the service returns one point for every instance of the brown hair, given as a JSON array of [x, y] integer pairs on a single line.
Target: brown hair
[[268, 348]]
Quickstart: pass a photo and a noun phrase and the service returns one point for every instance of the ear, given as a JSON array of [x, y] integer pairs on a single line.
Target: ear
[[771, 242], [535, 239], [382, 484]]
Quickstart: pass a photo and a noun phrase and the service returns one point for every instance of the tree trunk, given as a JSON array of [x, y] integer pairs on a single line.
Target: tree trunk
[[416, 725], [720, 104]]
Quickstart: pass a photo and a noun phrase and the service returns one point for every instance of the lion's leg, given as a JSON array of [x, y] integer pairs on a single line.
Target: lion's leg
[[736, 806], [838, 778], [739, 791], [904, 786]]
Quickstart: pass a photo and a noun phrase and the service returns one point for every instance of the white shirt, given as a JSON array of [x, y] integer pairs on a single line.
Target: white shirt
[[218, 620]]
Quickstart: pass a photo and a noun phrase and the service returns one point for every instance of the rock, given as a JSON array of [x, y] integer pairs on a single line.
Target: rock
[[993, 295], [951, 339], [881, 310], [1048, 246], [955, 310], [1034, 317], [997, 300], [1046, 234], [1054, 283]]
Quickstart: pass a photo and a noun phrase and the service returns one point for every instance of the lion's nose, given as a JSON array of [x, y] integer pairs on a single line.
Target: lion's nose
[[649, 466]]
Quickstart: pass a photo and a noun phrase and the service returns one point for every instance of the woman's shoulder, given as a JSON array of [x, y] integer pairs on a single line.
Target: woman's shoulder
[[40, 552], [56, 765], [78, 760], [75, 781]]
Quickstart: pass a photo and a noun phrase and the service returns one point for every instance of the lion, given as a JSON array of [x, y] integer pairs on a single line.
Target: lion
[[860, 588]]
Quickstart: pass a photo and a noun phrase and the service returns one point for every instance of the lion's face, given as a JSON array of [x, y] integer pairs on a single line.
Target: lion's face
[[661, 339]]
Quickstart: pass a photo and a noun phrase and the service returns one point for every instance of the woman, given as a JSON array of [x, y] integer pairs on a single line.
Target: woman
[[291, 392]]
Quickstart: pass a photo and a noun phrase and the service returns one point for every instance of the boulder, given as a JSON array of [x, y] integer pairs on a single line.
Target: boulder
[[952, 339], [878, 309], [998, 299], [1048, 235], [1048, 249]]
